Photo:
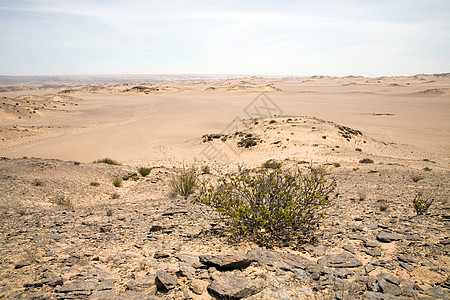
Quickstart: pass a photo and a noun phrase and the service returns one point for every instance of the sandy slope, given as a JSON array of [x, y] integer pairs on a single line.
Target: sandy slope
[[145, 127]]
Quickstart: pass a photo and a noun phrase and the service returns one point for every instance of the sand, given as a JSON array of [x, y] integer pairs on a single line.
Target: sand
[[112, 242]]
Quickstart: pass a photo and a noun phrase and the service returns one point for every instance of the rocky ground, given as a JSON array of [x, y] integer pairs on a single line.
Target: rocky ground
[[68, 233]]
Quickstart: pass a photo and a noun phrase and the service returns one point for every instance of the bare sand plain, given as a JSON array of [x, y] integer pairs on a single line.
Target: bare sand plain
[[108, 246]]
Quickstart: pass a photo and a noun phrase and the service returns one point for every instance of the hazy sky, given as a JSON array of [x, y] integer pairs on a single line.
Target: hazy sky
[[260, 37]]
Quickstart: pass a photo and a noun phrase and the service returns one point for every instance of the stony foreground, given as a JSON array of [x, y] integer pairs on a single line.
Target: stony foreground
[[133, 242]]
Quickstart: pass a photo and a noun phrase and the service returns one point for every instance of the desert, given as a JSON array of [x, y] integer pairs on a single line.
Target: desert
[[75, 225]]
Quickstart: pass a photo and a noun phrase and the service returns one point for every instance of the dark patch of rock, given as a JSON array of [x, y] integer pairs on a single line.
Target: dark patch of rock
[[387, 237], [225, 262], [164, 281]]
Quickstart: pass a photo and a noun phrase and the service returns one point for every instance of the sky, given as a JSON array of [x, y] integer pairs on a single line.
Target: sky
[[257, 37]]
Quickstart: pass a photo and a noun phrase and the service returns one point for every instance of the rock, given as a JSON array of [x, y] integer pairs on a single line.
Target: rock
[[315, 250], [349, 248], [369, 268], [343, 260], [22, 263], [387, 237], [164, 281], [406, 259], [231, 286], [372, 252], [190, 259], [278, 294], [107, 284], [279, 260], [407, 267], [438, 293], [371, 244], [380, 296], [358, 237], [51, 279], [225, 262], [426, 273], [77, 286], [159, 255], [388, 284], [197, 286], [342, 273], [412, 237], [445, 241]]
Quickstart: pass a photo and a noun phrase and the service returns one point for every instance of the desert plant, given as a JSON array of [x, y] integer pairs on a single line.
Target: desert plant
[[358, 149], [206, 169], [417, 178], [37, 182], [422, 203], [62, 202], [272, 121], [382, 205], [324, 137], [336, 165], [184, 182], [117, 182], [109, 212], [106, 160], [362, 194], [115, 196], [366, 161], [94, 183], [144, 171], [427, 169], [272, 207], [271, 164]]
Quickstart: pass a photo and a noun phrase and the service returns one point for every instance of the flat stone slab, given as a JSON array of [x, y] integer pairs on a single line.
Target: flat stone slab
[[164, 281], [226, 262], [280, 260], [77, 286], [387, 237], [343, 260], [231, 286]]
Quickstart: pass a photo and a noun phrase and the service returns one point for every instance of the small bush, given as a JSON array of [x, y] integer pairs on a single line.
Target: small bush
[[366, 161], [117, 182], [106, 160], [324, 137], [271, 164], [184, 182], [272, 207], [109, 212], [355, 169], [144, 171], [62, 202], [362, 194], [358, 149], [94, 183], [422, 203], [115, 196], [37, 182], [417, 178], [206, 169], [383, 206], [336, 165], [427, 169], [272, 121]]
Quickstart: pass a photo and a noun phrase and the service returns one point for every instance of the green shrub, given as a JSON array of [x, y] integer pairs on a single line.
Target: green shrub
[[62, 202], [272, 121], [421, 203], [184, 182], [272, 207], [271, 164], [117, 182], [37, 182], [366, 161], [336, 165], [206, 169], [106, 160], [144, 171]]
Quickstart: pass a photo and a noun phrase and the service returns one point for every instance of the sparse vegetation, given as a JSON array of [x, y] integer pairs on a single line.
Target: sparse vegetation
[[117, 182], [109, 212], [366, 161], [115, 196], [362, 194], [427, 169], [184, 182], [272, 207], [94, 183], [107, 160], [422, 203], [324, 137], [355, 169], [144, 171], [272, 121], [206, 169], [417, 178], [62, 201], [382, 205], [271, 164], [37, 182], [358, 149], [336, 165]]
